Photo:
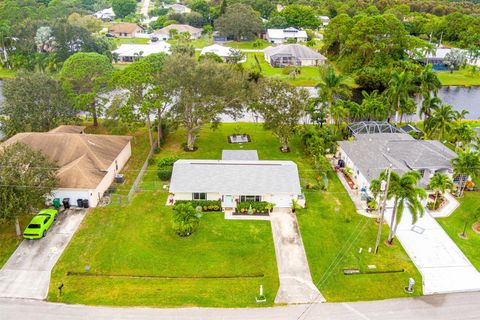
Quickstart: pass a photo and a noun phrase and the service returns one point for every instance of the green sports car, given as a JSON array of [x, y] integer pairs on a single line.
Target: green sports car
[[40, 224]]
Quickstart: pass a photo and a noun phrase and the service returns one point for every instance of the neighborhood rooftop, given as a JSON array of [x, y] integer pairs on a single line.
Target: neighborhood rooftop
[[375, 153], [235, 177], [240, 155], [83, 159], [297, 50]]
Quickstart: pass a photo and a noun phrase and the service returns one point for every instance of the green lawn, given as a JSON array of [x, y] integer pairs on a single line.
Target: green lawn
[[248, 45], [9, 239], [455, 223], [118, 41], [458, 78], [7, 73], [137, 240]]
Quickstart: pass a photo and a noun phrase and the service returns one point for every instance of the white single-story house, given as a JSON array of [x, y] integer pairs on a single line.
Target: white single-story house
[[87, 163], [370, 154], [279, 36], [164, 33], [131, 52], [106, 14], [324, 19], [223, 52], [178, 8], [240, 178], [293, 55]]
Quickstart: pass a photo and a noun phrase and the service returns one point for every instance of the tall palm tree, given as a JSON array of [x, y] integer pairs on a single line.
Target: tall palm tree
[[429, 82], [406, 193], [355, 111], [441, 121], [332, 85], [374, 105], [339, 112], [429, 103], [467, 164], [461, 114], [463, 134], [400, 88], [439, 183]]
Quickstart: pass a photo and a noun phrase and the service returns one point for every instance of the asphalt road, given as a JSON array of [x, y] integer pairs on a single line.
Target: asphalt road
[[439, 307], [27, 273]]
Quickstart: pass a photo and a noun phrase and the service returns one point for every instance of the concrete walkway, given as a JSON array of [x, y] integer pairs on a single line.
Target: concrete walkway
[[448, 209], [296, 285], [27, 273], [440, 307], [443, 266]]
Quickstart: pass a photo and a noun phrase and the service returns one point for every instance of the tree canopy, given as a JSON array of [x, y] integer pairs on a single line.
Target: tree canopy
[[239, 22]]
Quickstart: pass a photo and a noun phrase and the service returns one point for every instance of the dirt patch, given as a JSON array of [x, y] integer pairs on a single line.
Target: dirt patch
[[476, 227]]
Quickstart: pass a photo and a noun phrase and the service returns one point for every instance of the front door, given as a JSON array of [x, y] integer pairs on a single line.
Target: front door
[[228, 202]]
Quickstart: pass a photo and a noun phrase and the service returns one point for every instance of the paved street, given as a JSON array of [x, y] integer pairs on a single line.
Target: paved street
[[443, 266], [296, 285], [462, 306], [27, 273]]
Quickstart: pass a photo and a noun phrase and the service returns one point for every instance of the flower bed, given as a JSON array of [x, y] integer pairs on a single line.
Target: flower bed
[[254, 208], [207, 205]]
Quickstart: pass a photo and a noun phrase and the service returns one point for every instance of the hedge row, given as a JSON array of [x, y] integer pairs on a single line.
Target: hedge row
[[207, 205], [261, 206]]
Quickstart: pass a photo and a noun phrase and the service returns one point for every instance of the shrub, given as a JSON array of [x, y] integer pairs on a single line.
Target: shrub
[[207, 205], [165, 167], [260, 207], [185, 219]]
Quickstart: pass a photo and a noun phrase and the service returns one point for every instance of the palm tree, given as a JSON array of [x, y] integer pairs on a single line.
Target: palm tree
[[429, 81], [399, 90], [439, 183], [441, 121], [429, 103], [467, 164], [338, 112], [406, 193], [463, 134], [374, 106], [331, 86], [461, 114]]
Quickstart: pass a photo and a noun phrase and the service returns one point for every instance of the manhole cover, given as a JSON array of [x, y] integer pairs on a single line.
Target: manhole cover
[[418, 229]]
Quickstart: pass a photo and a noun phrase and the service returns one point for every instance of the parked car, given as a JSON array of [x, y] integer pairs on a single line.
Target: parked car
[[109, 35], [40, 224]]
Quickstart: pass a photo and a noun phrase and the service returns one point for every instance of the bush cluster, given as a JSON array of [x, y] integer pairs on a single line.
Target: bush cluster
[[207, 205], [257, 207], [165, 167]]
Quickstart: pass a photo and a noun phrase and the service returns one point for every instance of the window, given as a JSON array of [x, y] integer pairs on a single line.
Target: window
[[250, 198], [199, 196]]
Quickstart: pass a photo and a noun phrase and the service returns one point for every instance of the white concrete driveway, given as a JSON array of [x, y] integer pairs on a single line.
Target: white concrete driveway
[[443, 266], [296, 285], [27, 273]]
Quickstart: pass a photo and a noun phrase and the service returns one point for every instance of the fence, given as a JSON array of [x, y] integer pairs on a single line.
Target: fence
[[139, 178]]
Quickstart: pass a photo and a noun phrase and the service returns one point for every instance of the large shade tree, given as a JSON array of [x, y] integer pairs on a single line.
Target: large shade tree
[[202, 90], [34, 102], [26, 176], [281, 105], [240, 21], [85, 76]]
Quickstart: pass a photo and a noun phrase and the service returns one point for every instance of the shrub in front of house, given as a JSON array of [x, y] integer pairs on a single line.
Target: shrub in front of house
[[257, 207], [184, 220], [207, 205], [165, 167]]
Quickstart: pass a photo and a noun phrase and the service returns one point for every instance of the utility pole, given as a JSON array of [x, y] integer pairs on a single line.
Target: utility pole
[[384, 188]]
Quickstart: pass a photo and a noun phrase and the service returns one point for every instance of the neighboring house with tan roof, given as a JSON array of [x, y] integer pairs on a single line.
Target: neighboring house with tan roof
[[126, 30], [178, 8], [69, 129], [87, 163], [165, 33]]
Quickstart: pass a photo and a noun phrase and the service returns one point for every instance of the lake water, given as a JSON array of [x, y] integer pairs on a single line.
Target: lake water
[[462, 98]]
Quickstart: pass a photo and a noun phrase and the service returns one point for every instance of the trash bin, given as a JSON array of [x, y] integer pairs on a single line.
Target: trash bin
[[56, 203], [119, 178], [80, 203], [66, 203], [85, 203]]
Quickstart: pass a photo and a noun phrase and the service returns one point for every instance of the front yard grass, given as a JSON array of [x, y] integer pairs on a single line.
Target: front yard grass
[[455, 223], [137, 240], [7, 73], [9, 239]]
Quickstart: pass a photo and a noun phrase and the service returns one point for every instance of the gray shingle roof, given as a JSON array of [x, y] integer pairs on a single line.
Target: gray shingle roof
[[235, 177], [297, 50], [372, 156], [240, 155]]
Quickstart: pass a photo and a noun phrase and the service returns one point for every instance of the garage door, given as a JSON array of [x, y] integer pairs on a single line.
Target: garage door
[[282, 201]]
